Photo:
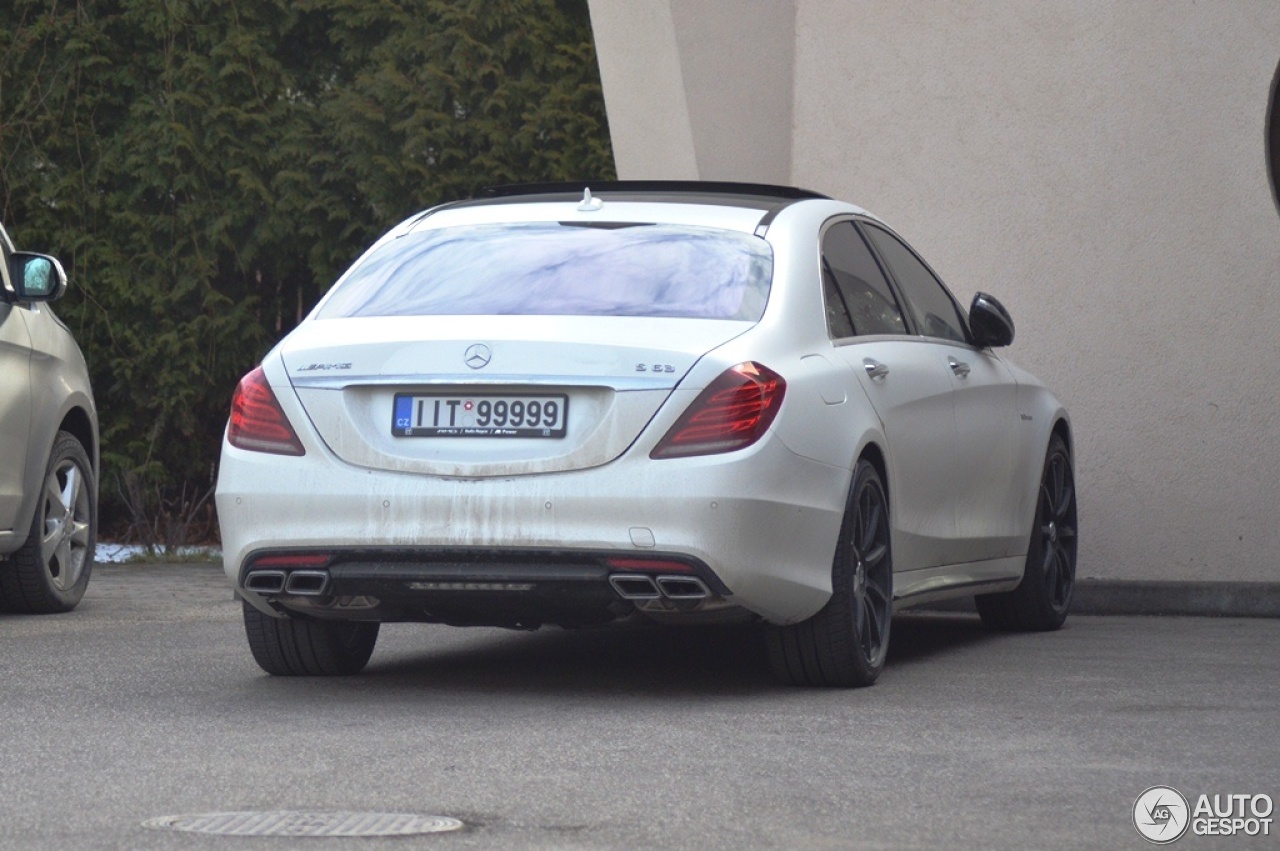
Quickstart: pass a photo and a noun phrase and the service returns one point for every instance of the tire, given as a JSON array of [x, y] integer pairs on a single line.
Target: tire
[[845, 644], [50, 572], [1041, 600], [292, 647]]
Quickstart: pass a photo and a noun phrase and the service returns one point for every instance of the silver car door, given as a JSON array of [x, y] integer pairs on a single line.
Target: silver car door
[[906, 381], [908, 386], [985, 405], [989, 451]]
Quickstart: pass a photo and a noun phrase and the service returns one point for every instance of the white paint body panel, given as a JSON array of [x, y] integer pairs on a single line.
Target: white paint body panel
[[765, 519]]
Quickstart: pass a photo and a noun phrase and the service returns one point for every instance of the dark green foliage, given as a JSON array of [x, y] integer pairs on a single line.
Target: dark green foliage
[[206, 168]]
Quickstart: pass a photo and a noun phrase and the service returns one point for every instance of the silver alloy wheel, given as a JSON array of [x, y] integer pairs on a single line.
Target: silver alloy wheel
[[50, 571], [67, 516]]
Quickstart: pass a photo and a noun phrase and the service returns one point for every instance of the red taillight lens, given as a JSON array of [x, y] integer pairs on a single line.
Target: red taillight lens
[[734, 411], [257, 421], [293, 560]]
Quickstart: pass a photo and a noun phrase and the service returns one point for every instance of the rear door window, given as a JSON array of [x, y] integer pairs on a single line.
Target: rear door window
[[858, 298]]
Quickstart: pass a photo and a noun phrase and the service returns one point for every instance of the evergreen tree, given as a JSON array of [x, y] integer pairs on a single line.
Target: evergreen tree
[[206, 168]]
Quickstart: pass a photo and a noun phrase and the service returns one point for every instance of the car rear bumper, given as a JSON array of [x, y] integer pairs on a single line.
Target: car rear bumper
[[757, 527], [512, 588]]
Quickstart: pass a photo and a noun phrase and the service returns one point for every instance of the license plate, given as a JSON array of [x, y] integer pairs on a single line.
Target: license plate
[[480, 415]]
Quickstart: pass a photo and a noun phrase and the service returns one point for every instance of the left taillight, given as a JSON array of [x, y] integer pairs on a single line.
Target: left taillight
[[733, 412], [258, 423]]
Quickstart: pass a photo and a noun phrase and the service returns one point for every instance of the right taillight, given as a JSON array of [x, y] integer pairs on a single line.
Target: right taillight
[[258, 423], [733, 412]]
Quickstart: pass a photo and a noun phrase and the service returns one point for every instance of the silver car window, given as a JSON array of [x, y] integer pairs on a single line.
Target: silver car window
[[561, 269]]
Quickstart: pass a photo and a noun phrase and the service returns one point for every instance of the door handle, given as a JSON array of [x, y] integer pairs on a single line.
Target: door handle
[[874, 368], [959, 367]]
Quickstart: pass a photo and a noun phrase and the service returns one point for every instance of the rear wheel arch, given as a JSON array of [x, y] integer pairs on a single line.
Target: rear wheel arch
[[846, 642], [1063, 429], [873, 454]]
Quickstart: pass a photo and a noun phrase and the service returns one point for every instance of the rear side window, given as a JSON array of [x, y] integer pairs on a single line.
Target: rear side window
[[858, 297], [932, 307], [559, 269]]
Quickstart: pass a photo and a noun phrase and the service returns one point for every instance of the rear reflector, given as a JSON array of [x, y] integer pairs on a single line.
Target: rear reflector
[[733, 412], [653, 565], [258, 423], [292, 560]]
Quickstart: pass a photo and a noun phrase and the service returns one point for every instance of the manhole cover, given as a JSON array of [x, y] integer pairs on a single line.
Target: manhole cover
[[306, 824]]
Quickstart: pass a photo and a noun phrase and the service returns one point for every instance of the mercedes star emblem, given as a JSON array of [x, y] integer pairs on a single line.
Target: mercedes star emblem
[[477, 356]]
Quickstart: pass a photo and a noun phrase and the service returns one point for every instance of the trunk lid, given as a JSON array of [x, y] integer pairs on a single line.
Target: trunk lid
[[610, 373]]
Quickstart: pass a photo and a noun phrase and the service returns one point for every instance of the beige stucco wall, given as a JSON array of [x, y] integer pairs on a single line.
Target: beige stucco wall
[[1099, 166], [683, 80]]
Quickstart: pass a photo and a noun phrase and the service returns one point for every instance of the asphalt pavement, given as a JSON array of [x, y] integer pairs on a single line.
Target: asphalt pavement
[[145, 703]]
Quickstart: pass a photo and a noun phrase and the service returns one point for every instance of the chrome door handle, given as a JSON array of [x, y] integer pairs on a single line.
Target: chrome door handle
[[959, 367], [874, 368]]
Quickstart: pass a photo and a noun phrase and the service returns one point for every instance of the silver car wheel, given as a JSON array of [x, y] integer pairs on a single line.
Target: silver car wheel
[[50, 571], [67, 524]]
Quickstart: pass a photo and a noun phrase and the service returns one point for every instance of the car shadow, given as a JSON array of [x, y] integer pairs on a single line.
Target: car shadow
[[919, 637], [648, 659]]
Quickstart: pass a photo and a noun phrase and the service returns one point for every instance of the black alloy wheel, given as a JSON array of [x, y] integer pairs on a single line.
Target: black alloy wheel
[[1041, 601], [845, 644]]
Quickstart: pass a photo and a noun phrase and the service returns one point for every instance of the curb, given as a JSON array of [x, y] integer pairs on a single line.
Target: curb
[[1129, 597]]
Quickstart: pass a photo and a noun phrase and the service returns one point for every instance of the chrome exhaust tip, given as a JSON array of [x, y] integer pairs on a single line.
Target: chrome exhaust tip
[[307, 583], [265, 581], [683, 588], [634, 586]]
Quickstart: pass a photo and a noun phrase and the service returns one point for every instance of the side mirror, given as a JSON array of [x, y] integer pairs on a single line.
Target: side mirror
[[990, 323], [36, 277]]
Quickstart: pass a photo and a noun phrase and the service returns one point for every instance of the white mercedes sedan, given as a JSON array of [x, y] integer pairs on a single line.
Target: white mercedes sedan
[[577, 404]]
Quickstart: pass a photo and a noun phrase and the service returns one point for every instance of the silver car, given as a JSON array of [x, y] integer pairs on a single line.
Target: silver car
[[48, 443], [574, 405]]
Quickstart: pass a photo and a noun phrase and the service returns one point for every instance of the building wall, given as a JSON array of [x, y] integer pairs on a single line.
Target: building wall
[[1101, 167], [683, 80]]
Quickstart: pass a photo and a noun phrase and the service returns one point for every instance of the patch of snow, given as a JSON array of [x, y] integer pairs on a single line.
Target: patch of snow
[[111, 553]]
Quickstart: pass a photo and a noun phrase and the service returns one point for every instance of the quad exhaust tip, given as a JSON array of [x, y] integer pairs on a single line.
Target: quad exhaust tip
[[683, 588], [637, 586], [302, 583], [307, 583], [634, 586], [265, 581]]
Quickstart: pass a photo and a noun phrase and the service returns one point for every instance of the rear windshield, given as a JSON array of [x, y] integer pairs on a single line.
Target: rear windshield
[[559, 269]]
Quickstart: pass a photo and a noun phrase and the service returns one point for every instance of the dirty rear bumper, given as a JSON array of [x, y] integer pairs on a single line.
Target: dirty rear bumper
[[510, 588]]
